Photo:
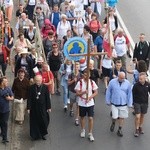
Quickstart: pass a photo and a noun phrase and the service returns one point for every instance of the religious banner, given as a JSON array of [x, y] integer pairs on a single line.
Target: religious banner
[[75, 45], [112, 3]]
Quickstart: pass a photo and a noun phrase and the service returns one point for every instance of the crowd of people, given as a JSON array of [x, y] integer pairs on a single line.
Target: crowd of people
[[39, 75]]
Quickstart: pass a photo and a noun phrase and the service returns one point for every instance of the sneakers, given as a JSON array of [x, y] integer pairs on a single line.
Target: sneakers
[[90, 136], [5, 141], [65, 109], [58, 93], [141, 130], [112, 127], [119, 133], [136, 134], [77, 122], [82, 134]]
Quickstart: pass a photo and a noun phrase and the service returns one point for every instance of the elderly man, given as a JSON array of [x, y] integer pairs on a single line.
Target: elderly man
[[122, 46], [38, 106], [119, 96], [23, 22]]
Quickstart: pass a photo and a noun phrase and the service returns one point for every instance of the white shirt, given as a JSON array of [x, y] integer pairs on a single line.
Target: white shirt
[[32, 2], [107, 63], [79, 24], [120, 45], [8, 3], [112, 23], [62, 29], [81, 100]]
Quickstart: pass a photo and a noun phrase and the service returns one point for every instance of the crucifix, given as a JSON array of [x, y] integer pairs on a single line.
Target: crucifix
[[88, 55]]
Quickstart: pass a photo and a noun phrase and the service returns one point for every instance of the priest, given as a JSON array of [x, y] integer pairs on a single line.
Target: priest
[[38, 107]]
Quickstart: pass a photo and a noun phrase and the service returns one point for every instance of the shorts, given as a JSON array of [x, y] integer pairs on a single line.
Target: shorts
[[72, 97], [119, 112], [83, 111], [106, 72], [140, 108]]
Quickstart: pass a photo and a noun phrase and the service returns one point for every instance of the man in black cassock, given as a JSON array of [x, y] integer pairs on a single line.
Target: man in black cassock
[[38, 106]]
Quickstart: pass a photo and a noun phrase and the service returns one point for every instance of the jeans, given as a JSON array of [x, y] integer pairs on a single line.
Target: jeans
[[4, 124], [4, 66], [65, 93]]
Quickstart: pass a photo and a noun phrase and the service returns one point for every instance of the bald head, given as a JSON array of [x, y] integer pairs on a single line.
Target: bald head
[[38, 80], [121, 76]]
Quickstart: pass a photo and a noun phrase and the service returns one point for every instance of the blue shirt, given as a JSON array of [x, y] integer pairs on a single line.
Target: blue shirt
[[4, 104], [119, 94], [55, 18], [99, 43]]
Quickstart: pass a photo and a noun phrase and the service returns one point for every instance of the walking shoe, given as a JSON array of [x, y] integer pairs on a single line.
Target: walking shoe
[[65, 108], [58, 93], [141, 130], [77, 122], [82, 134], [5, 141], [136, 134], [119, 133], [112, 127], [90, 136], [71, 113]]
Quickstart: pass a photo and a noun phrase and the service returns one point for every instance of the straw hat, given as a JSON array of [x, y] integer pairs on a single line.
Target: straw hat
[[24, 51]]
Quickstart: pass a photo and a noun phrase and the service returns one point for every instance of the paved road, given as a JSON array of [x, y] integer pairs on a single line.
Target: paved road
[[135, 14], [64, 135]]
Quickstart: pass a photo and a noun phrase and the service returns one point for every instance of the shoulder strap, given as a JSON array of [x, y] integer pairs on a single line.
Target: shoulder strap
[[147, 43], [65, 66]]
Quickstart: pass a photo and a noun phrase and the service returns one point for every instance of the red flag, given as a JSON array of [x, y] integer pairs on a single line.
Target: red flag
[[106, 44]]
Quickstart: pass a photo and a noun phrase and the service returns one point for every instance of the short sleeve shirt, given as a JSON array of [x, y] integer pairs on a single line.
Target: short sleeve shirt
[[4, 104], [82, 99]]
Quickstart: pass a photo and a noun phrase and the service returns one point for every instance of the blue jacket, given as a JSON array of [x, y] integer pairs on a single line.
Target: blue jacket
[[119, 95]]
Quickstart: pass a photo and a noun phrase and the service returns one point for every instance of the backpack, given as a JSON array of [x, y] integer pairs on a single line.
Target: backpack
[[81, 87], [81, 84], [65, 66]]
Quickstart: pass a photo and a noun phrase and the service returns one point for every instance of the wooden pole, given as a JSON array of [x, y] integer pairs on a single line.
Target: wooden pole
[[88, 67]]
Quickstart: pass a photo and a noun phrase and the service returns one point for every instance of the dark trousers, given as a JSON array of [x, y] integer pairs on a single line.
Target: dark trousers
[[4, 124], [57, 79], [4, 67]]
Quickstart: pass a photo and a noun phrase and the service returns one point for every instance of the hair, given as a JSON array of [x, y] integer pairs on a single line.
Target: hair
[[118, 61], [142, 74], [87, 28], [38, 7], [142, 34], [21, 34], [94, 14], [6, 19], [92, 61], [21, 71], [63, 16], [141, 66], [2, 79]]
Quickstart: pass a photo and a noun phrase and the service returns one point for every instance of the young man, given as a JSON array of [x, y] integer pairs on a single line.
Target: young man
[[119, 96], [86, 103], [140, 91], [6, 95], [73, 78]]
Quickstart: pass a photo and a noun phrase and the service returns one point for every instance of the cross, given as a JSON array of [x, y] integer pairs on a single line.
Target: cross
[[88, 55]]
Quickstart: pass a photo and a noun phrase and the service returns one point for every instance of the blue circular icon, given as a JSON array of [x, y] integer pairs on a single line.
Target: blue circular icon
[[75, 45]]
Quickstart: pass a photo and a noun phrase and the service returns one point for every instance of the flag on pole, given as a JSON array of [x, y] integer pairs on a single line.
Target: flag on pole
[[38, 43]]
